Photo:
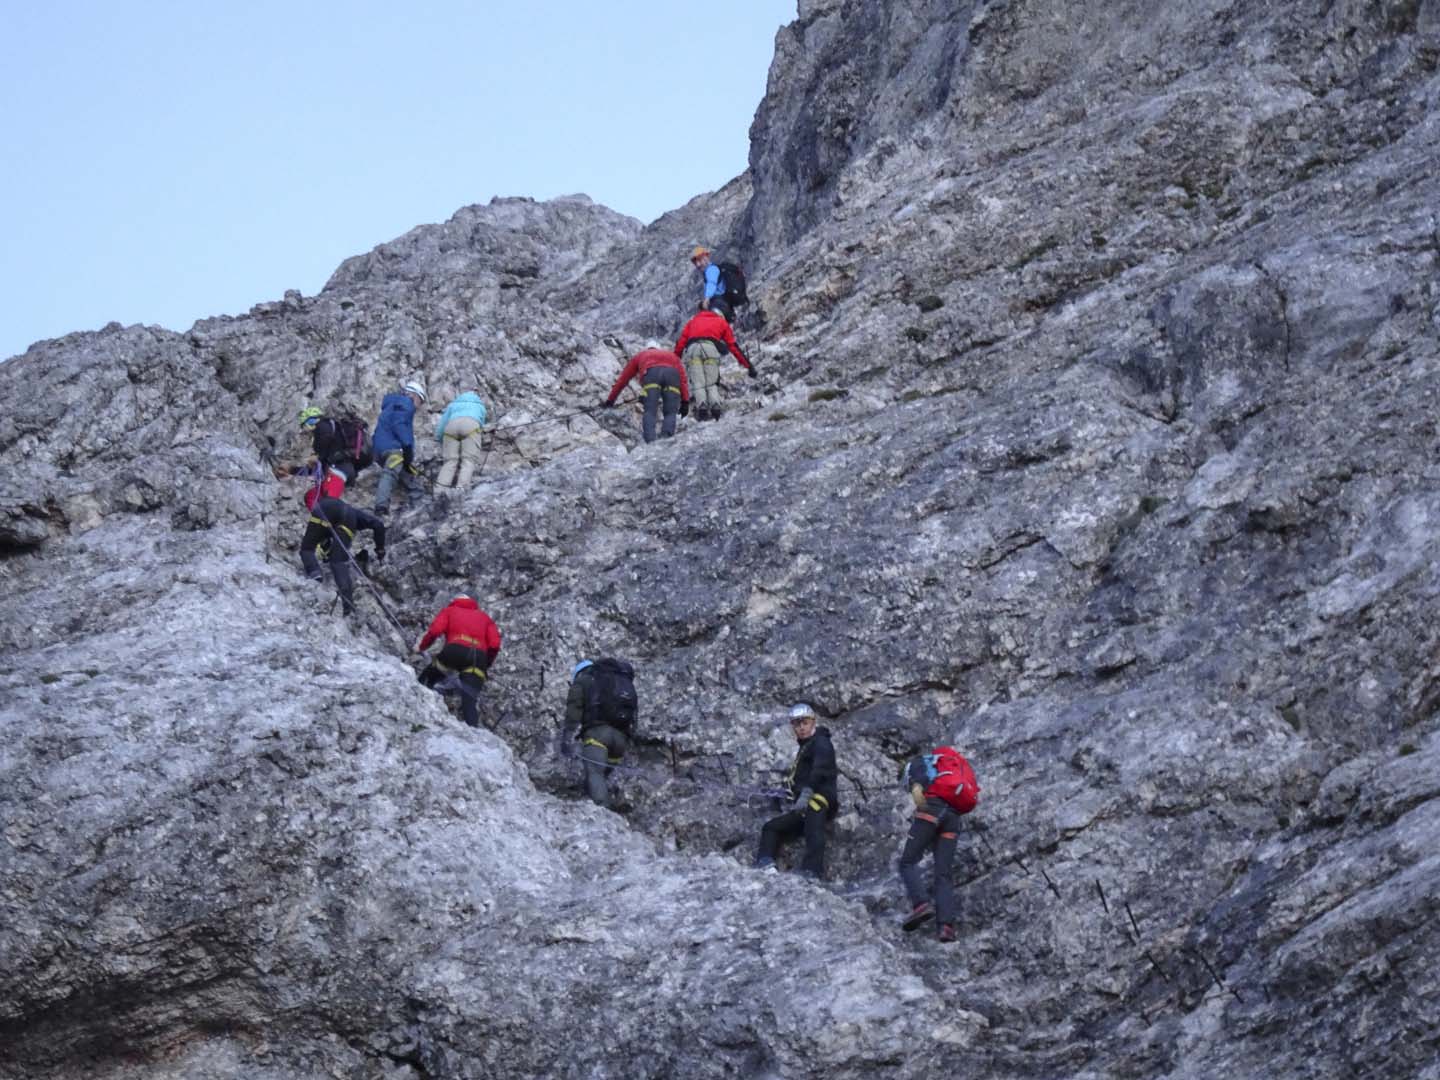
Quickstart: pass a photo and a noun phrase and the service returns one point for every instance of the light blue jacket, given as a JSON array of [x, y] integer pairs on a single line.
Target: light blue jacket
[[712, 281], [467, 404]]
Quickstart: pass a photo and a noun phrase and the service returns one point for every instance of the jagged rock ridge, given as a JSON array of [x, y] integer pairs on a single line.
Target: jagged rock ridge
[[1095, 433]]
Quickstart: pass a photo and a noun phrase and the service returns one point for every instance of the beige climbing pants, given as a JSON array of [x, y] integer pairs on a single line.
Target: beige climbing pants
[[702, 367], [459, 452]]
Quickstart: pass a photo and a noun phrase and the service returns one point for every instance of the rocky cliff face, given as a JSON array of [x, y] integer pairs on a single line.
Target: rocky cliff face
[[1095, 433]]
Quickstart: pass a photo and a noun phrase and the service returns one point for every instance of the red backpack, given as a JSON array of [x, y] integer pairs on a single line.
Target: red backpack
[[329, 486], [951, 778]]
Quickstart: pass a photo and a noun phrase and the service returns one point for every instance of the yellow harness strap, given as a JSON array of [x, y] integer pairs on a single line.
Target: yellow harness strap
[[602, 746]]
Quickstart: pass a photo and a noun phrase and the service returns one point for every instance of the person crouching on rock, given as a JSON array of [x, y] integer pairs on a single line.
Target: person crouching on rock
[[662, 376], [706, 338], [812, 787], [943, 787], [332, 529], [472, 641]]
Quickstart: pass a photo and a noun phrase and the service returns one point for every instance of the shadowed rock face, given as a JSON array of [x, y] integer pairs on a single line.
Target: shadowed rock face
[[1095, 433]]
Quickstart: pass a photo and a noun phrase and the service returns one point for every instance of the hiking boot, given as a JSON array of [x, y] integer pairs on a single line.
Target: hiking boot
[[764, 862], [947, 933], [918, 914], [714, 413], [702, 413]]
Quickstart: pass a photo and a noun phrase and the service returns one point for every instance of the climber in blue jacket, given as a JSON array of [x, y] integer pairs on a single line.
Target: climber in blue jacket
[[394, 444]]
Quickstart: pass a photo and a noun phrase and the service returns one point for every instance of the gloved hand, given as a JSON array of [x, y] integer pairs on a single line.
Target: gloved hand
[[379, 556], [607, 404], [684, 408], [803, 799], [750, 371]]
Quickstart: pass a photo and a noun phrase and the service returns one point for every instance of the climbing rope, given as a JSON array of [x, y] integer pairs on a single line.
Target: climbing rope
[[350, 557]]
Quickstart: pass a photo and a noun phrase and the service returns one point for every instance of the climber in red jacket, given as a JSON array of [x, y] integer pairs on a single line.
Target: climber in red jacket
[[661, 376], [472, 641], [706, 338]]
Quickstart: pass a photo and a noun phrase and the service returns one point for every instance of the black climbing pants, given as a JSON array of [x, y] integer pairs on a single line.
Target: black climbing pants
[[791, 824], [934, 826], [468, 666], [316, 535], [661, 382]]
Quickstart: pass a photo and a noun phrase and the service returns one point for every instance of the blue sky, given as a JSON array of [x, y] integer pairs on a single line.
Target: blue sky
[[168, 161]]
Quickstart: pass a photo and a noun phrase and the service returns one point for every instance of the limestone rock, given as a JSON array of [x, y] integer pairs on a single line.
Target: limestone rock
[[1094, 433]]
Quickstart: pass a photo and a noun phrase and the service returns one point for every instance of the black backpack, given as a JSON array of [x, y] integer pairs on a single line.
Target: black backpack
[[732, 284], [612, 699], [355, 437]]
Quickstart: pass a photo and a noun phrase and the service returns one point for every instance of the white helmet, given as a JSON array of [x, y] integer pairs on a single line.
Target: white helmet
[[415, 388], [802, 712]]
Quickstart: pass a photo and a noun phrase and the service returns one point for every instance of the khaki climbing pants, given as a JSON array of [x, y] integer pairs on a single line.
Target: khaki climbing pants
[[459, 452], [702, 367]]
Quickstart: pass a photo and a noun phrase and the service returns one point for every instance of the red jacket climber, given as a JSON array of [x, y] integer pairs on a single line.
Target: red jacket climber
[[662, 377], [710, 325], [461, 622]]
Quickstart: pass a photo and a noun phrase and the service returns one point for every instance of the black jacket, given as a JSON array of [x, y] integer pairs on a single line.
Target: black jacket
[[328, 442], [576, 700], [815, 768], [348, 519]]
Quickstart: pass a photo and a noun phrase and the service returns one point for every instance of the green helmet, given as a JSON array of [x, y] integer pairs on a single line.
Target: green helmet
[[309, 415]]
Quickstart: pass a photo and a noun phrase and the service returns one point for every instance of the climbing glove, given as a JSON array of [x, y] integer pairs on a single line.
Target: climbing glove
[[803, 799], [684, 408], [379, 556], [751, 372], [607, 404]]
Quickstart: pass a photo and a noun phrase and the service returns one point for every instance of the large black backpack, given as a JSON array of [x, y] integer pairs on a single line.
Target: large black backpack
[[343, 438], [612, 699], [356, 436], [732, 284]]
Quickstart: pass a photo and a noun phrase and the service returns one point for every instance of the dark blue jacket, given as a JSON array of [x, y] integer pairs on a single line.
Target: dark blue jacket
[[395, 428]]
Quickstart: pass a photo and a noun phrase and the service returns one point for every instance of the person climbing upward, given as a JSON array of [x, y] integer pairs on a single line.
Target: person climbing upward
[[942, 785], [709, 275], [812, 789], [458, 432], [662, 376], [332, 529], [723, 281], [706, 338], [394, 444], [601, 708], [340, 443], [472, 642]]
